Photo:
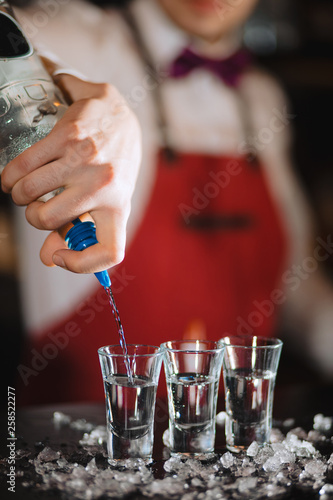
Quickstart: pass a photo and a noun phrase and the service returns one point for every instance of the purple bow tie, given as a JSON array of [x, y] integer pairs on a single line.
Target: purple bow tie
[[229, 70]]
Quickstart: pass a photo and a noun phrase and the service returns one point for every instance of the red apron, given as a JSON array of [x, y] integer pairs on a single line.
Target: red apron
[[204, 262]]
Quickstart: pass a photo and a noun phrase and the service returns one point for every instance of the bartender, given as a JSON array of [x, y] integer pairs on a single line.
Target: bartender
[[216, 215]]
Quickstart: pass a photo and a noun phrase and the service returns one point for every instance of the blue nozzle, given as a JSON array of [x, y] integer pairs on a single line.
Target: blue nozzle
[[83, 235]]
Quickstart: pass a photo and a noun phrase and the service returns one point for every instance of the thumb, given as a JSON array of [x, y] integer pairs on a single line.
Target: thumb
[[75, 89]]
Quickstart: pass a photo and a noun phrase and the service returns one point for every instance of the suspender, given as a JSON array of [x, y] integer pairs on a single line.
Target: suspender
[[168, 150]]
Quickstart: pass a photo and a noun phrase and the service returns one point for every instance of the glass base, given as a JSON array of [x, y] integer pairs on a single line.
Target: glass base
[[129, 463], [242, 448], [192, 443], [130, 453], [236, 449], [202, 457]]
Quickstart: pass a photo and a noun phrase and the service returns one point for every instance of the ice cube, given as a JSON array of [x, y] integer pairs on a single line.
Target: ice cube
[[197, 483], [48, 455], [190, 496], [253, 449], [80, 472], [286, 456], [164, 487], [322, 423], [81, 425], [96, 436], [91, 467], [247, 483], [315, 468], [174, 464], [289, 422], [272, 464], [228, 460], [315, 437], [275, 491], [276, 436], [245, 471], [278, 447], [194, 468], [302, 448], [299, 432], [43, 468], [22, 454], [64, 465], [60, 418], [264, 454], [214, 494], [134, 463], [326, 491]]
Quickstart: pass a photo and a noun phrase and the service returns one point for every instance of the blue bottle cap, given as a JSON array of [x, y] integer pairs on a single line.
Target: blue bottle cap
[[83, 235]]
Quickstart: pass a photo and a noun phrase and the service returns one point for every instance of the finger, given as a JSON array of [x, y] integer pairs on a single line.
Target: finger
[[76, 89], [52, 243], [45, 151], [111, 231], [67, 140], [108, 252], [58, 211], [39, 183], [91, 189]]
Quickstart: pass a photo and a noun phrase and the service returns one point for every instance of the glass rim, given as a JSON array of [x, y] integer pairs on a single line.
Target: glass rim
[[171, 349], [275, 342], [122, 355]]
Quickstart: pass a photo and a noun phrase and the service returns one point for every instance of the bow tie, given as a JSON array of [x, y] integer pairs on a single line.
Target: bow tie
[[229, 69]]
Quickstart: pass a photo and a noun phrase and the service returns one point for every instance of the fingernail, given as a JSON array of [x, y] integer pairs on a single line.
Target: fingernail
[[58, 261]]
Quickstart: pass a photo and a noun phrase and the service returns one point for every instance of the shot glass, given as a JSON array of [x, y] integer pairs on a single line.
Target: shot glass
[[130, 384], [192, 370], [249, 370]]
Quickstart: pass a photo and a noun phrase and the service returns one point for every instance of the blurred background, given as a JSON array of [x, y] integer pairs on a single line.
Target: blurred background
[[293, 39]]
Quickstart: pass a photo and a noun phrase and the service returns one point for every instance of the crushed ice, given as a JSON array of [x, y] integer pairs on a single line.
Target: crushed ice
[[292, 462], [323, 424]]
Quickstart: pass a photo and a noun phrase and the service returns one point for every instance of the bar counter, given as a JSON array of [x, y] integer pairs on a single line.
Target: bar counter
[[39, 435]]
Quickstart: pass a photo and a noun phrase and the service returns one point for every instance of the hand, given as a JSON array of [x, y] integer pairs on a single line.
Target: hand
[[93, 152]]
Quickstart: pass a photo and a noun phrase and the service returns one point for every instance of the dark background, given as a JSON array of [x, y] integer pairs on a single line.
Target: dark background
[[293, 39]]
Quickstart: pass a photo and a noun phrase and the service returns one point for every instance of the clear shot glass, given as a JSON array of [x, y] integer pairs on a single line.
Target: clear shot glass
[[130, 399], [192, 369], [249, 371]]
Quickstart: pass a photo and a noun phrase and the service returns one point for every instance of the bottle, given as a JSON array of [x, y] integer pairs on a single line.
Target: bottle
[[30, 106]]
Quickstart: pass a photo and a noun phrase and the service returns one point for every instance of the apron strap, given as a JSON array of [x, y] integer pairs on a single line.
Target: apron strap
[[168, 151]]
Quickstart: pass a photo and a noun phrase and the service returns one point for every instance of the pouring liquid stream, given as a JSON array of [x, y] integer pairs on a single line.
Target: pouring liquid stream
[[120, 328]]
